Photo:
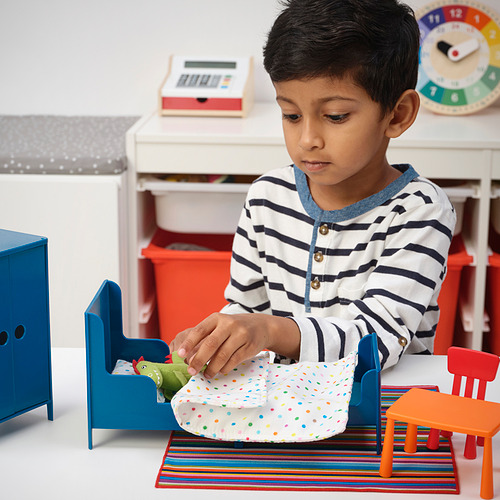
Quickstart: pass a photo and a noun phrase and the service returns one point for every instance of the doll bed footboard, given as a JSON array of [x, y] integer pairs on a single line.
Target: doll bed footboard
[[364, 407], [120, 401]]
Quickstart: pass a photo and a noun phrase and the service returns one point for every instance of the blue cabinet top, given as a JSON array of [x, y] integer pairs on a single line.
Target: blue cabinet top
[[12, 241]]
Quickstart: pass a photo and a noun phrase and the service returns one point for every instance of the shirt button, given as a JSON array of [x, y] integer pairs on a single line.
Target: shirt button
[[402, 342], [318, 256], [315, 284], [324, 229]]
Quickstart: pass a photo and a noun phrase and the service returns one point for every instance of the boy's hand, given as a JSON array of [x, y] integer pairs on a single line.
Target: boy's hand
[[223, 341]]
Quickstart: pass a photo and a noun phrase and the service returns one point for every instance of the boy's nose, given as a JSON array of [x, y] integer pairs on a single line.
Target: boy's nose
[[310, 137]]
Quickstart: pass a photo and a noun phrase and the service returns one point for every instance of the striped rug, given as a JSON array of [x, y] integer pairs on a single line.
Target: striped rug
[[347, 462]]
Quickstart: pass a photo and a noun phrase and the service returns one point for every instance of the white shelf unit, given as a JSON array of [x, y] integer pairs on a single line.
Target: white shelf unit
[[445, 148]]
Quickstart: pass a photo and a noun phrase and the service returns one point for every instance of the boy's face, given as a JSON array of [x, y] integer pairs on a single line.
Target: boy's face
[[335, 134]]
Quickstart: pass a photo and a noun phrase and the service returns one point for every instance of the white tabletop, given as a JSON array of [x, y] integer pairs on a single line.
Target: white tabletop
[[264, 126], [43, 459]]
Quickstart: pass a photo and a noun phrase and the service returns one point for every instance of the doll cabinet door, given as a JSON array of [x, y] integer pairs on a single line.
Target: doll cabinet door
[[6, 363], [24, 328], [30, 327]]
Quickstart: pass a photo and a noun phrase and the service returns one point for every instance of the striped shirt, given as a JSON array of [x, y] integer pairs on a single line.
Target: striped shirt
[[374, 266]]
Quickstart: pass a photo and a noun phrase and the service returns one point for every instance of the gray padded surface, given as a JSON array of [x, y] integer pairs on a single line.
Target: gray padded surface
[[81, 145]]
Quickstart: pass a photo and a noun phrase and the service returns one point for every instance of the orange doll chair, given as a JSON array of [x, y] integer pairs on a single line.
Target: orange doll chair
[[450, 412], [473, 365]]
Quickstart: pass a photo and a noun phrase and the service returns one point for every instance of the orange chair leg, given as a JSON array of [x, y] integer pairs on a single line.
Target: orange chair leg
[[387, 450], [470, 447], [433, 439], [487, 471], [411, 438]]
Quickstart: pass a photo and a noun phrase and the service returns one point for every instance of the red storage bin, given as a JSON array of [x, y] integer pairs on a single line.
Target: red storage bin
[[458, 258], [189, 283], [492, 341]]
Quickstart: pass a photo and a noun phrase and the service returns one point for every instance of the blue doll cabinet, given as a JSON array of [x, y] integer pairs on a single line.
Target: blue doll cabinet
[[25, 366], [128, 402]]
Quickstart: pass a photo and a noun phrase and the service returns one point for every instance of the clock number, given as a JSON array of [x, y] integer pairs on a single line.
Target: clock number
[[454, 97], [457, 13], [434, 19], [477, 18], [433, 90], [491, 79], [493, 34]]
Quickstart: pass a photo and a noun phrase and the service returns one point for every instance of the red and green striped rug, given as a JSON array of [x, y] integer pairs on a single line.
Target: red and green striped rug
[[347, 462]]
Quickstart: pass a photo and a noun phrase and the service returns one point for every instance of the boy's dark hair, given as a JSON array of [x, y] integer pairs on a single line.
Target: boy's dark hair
[[376, 42]]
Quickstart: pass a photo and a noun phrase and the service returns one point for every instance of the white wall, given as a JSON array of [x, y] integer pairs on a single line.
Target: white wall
[[108, 57]]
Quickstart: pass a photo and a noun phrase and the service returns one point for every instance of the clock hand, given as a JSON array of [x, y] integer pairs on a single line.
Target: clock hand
[[458, 52], [444, 47]]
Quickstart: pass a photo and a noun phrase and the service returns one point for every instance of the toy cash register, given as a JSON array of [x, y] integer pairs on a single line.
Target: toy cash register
[[207, 86]]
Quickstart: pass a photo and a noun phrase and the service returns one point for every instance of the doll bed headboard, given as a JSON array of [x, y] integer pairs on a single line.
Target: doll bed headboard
[[120, 401], [129, 402]]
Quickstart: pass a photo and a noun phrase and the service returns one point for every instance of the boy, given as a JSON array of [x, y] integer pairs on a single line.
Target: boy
[[340, 244]]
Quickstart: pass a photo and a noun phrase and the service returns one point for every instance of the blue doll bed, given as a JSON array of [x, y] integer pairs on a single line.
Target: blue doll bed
[[129, 402]]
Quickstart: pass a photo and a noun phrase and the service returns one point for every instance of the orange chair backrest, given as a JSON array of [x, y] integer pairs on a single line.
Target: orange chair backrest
[[471, 364]]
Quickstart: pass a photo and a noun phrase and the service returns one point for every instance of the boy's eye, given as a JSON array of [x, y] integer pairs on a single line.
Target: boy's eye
[[291, 117], [337, 118]]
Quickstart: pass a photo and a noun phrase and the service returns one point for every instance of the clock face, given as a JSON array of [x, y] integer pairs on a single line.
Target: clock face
[[459, 71]]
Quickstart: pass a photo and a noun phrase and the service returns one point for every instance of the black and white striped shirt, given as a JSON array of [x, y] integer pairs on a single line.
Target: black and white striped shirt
[[374, 266]]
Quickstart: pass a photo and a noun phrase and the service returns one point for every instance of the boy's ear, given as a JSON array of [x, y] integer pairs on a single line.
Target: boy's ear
[[403, 114]]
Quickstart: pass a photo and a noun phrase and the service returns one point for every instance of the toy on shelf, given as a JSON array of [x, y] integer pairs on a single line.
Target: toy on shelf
[[459, 61], [450, 413], [207, 86]]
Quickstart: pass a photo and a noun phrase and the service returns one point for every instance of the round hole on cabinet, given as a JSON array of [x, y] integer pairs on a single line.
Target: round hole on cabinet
[[19, 332], [4, 337]]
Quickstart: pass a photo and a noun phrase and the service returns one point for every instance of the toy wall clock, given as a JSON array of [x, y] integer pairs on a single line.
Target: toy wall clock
[[459, 70]]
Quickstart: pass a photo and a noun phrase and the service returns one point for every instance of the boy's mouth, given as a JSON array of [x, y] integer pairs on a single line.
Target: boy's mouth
[[314, 166]]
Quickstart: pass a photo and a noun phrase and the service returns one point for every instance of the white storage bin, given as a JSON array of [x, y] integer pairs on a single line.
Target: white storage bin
[[197, 207], [495, 208], [458, 196], [213, 208]]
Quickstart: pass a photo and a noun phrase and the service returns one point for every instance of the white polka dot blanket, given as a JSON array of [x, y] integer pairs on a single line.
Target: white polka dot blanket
[[265, 402]]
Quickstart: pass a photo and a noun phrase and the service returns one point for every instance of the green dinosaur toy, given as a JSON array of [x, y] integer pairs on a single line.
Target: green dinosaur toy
[[168, 376]]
